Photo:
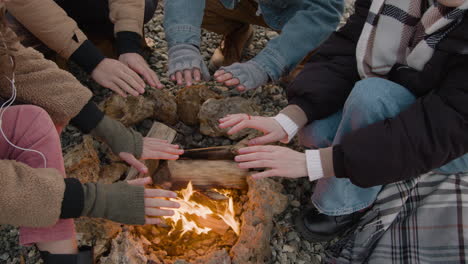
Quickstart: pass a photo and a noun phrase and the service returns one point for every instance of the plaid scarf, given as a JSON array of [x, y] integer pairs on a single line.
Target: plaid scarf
[[422, 220], [400, 31]]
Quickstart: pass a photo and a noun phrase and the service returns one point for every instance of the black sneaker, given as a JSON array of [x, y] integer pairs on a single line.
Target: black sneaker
[[316, 227], [84, 256]]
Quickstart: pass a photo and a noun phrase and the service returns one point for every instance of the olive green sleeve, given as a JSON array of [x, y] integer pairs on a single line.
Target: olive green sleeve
[[118, 137], [119, 202]]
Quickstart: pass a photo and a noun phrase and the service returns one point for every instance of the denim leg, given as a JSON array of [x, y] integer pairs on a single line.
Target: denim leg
[[370, 101]]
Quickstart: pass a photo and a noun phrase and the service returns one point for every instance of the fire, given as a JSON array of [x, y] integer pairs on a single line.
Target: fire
[[190, 210]]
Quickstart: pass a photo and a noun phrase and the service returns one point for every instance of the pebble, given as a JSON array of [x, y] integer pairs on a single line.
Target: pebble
[[295, 203], [288, 248]]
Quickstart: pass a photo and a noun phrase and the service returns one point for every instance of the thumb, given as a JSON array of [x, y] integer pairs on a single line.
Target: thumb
[[205, 72], [140, 181], [134, 162]]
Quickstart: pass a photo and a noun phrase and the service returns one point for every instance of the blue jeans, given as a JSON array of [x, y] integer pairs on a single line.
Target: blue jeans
[[371, 100]]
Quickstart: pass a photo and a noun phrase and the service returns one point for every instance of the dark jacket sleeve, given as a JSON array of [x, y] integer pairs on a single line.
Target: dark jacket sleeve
[[430, 133], [327, 79]]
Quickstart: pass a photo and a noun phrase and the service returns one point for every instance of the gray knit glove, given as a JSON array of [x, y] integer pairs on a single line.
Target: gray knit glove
[[187, 57], [119, 202], [250, 74]]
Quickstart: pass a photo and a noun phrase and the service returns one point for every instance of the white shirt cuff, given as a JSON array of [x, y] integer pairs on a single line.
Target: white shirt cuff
[[314, 164], [288, 125]]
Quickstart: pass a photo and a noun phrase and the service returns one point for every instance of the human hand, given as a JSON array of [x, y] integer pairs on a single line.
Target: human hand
[[138, 64], [152, 149], [244, 76], [186, 65], [154, 201], [281, 161], [271, 129], [116, 76]]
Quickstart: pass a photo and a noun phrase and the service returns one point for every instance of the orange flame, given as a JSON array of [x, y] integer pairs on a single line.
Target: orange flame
[[189, 207]]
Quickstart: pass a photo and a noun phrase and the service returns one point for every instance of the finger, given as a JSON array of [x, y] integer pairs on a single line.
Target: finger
[[149, 76], [179, 78], [268, 138], [152, 221], [188, 77], [156, 80], [140, 84], [241, 88], [224, 77], [252, 149], [231, 122], [256, 164], [218, 73], [197, 75], [155, 202], [161, 155], [129, 79], [173, 78], [134, 162], [124, 86], [141, 181], [227, 117], [159, 193], [239, 127], [158, 212], [232, 82], [265, 174], [253, 157], [114, 87]]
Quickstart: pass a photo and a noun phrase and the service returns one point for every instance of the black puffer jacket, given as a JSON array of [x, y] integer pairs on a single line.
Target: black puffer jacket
[[429, 134]]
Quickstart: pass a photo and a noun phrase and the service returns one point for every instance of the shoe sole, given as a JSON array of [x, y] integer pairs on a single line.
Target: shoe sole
[[306, 234]]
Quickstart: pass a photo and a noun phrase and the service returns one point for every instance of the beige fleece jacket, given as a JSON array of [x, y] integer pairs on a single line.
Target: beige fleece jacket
[[29, 197], [40, 82], [51, 24]]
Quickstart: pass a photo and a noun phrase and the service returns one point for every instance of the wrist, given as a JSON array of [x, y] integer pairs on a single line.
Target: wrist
[[128, 42], [289, 127], [314, 165], [87, 56]]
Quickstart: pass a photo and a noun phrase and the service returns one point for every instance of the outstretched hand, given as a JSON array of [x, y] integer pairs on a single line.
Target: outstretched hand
[[138, 64], [271, 129], [155, 199], [152, 149], [280, 161]]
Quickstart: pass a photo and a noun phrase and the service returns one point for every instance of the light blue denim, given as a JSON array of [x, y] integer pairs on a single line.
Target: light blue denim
[[371, 100], [304, 25]]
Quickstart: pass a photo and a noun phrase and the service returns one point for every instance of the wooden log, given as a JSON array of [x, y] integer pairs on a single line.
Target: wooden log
[[159, 131], [216, 224], [203, 174], [211, 153]]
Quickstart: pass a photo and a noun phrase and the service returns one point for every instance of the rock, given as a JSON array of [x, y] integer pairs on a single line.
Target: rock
[[165, 107], [288, 248], [217, 257], [214, 109], [265, 201], [130, 110], [97, 233], [112, 172], [189, 101], [125, 249], [82, 162], [295, 203]]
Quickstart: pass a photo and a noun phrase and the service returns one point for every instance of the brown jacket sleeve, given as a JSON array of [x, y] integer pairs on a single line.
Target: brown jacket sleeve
[[28, 196], [51, 24], [127, 15], [40, 82]]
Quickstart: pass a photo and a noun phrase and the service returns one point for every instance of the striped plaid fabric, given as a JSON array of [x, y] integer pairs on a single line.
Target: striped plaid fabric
[[404, 32], [423, 220]]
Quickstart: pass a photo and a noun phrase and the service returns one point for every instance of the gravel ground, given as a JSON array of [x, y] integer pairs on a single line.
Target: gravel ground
[[286, 245]]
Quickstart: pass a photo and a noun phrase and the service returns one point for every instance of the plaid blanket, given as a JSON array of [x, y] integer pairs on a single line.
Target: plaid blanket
[[423, 220], [404, 32]]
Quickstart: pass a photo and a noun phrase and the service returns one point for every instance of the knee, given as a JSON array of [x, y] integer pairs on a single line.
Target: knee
[[150, 8], [36, 119], [376, 95]]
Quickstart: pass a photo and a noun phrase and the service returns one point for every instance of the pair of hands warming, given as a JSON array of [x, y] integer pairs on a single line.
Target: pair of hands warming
[[123, 75], [281, 161], [186, 66]]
